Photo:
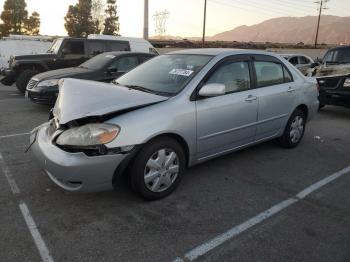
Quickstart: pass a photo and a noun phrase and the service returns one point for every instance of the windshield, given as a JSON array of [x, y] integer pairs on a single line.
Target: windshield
[[55, 47], [98, 62], [338, 56], [166, 74]]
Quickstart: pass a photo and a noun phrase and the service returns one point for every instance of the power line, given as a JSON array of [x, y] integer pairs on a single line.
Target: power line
[[282, 8], [253, 5]]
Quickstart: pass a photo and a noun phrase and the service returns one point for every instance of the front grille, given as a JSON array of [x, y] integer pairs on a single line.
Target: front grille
[[329, 82], [32, 83]]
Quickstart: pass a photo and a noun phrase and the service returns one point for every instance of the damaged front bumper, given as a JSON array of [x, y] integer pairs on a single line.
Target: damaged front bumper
[[333, 91], [74, 171]]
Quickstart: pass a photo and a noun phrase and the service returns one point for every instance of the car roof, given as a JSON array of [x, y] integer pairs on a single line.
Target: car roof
[[340, 47], [220, 51], [292, 55], [119, 53]]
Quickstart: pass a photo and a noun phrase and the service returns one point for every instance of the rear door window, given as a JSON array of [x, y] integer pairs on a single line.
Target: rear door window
[[268, 73], [144, 58], [96, 47], [294, 60], [304, 60], [125, 64]]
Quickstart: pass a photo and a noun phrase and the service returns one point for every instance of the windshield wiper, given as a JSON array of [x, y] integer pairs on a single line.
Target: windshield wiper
[[140, 88], [144, 89]]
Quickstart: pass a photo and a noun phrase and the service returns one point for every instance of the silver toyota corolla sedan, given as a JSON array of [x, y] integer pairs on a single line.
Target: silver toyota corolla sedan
[[172, 112]]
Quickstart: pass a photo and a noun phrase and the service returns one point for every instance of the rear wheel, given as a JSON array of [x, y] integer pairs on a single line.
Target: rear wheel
[[157, 169], [294, 131], [23, 79]]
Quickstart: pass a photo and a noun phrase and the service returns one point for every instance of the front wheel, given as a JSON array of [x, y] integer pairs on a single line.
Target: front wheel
[[23, 79], [158, 168], [294, 130]]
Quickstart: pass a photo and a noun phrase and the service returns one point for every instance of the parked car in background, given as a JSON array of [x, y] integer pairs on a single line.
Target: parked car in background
[[174, 111], [302, 62], [67, 52], [43, 88], [333, 76]]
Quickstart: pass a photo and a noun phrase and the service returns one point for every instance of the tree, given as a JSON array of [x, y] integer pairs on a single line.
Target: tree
[[78, 21], [14, 16], [98, 15], [32, 24], [112, 19]]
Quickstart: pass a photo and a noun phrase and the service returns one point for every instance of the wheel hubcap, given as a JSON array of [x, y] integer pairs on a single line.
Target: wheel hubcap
[[161, 170], [296, 129]]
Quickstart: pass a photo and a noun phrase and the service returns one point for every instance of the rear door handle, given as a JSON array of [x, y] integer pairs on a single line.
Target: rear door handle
[[291, 89], [251, 98]]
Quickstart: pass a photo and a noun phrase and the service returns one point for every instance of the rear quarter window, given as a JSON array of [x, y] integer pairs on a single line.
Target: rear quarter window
[[118, 46]]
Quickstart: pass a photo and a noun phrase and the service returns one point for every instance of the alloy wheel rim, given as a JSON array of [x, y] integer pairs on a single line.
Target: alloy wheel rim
[[296, 129], [161, 170]]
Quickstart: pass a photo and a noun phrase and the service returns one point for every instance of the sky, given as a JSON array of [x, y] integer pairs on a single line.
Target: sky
[[186, 16]]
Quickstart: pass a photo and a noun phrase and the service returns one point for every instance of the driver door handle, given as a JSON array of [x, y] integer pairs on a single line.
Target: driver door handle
[[251, 98]]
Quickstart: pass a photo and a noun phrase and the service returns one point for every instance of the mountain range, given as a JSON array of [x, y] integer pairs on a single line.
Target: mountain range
[[333, 30]]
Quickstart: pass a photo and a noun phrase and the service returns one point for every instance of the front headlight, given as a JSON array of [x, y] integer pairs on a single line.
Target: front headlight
[[89, 135], [51, 82], [347, 82]]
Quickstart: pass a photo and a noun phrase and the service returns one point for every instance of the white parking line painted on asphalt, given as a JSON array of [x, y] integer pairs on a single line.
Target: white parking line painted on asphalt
[[5, 169], [11, 99], [233, 232], [39, 242], [14, 135], [33, 229]]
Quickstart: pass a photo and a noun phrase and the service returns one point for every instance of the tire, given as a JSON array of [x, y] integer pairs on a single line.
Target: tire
[[23, 79], [148, 174], [296, 122]]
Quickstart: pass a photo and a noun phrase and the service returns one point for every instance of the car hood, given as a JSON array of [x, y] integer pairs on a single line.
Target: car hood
[[34, 57], [79, 99], [332, 70], [63, 73]]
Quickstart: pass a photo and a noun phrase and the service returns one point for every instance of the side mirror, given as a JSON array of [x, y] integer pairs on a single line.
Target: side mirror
[[315, 64], [112, 70], [211, 90]]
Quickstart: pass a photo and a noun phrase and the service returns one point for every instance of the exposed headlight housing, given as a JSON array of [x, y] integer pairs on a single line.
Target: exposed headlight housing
[[88, 135], [347, 82], [51, 82]]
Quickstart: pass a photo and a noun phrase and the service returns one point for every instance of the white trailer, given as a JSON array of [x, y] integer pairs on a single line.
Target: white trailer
[[22, 45]]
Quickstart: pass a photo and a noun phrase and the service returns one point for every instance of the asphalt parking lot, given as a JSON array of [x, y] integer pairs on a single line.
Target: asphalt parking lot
[[39, 221]]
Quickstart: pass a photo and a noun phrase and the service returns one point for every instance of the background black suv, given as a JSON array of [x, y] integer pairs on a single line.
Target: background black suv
[[64, 52], [333, 77]]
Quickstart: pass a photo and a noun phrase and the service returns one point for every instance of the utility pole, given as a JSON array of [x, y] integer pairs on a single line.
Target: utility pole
[[145, 21], [205, 17], [322, 7]]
